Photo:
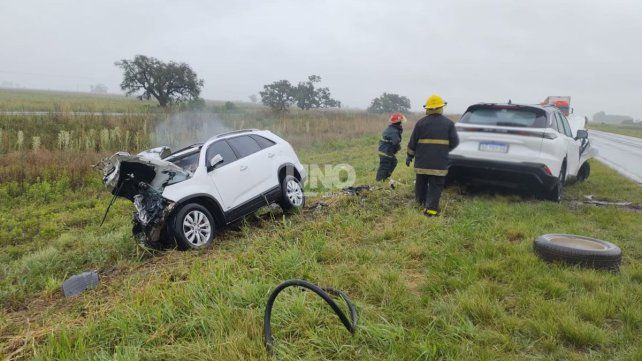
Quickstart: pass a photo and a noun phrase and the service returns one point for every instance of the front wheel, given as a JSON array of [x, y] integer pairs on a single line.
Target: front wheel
[[194, 227], [584, 172], [292, 194]]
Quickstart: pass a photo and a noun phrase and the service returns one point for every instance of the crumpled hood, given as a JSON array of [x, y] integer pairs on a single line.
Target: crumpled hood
[[123, 172]]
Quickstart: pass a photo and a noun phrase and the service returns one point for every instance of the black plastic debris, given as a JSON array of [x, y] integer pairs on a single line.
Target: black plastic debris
[[76, 284], [325, 293], [317, 205], [356, 190]]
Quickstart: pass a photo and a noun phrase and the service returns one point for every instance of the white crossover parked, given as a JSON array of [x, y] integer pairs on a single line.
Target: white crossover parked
[[189, 194], [527, 146]]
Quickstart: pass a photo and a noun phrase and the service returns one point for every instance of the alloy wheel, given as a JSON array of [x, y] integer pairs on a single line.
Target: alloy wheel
[[294, 193], [197, 228]]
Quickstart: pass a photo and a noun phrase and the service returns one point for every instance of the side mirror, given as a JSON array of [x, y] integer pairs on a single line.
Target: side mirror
[[216, 160], [581, 134]]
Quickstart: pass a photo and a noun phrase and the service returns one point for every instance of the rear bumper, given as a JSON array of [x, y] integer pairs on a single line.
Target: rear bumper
[[507, 174]]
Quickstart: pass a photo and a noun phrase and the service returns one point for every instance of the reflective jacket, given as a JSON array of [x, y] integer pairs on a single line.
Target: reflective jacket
[[390, 142], [433, 137]]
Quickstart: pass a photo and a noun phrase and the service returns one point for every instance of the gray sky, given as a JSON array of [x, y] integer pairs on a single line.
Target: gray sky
[[467, 51]]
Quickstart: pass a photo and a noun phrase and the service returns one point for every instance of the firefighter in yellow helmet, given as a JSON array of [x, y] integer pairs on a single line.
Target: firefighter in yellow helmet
[[433, 137]]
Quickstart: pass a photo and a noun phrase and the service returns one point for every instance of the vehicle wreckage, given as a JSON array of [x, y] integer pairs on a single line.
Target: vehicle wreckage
[[189, 194]]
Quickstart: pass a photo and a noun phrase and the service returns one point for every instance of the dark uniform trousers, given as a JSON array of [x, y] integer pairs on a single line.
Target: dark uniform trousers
[[387, 165], [433, 137], [428, 190]]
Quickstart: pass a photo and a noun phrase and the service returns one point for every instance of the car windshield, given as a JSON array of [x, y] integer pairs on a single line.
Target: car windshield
[[507, 117]]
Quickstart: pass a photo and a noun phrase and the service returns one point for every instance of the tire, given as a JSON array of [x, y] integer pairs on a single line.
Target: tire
[[555, 194], [578, 250], [584, 172], [193, 227], [292, 196]]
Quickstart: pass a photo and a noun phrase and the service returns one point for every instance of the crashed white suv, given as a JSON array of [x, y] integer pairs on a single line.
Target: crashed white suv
[[189, 194], [527, 146]]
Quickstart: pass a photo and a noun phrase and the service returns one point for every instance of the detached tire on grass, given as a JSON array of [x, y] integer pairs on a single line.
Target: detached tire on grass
[[578, 250]]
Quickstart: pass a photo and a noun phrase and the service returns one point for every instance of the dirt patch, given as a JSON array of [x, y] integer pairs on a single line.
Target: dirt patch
[[413, 279]]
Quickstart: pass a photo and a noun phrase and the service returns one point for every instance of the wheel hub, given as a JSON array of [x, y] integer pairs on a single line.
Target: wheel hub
[[197, 228]]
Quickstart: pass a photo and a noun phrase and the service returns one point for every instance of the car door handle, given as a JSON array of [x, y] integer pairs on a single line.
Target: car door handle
[[243, 167], [270, 155]]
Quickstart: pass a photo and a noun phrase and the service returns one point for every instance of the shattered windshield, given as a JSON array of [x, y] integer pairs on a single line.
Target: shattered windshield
[[188, 162]]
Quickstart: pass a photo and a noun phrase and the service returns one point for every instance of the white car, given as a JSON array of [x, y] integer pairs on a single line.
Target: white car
[[188, 195], [527, 146]]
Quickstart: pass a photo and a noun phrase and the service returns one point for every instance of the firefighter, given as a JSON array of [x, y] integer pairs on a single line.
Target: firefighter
[[433, 137], [389, 145]]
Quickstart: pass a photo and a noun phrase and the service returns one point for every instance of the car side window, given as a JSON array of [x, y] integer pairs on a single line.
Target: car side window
[[567, 127], [244, 145], [263, 142], [558, 124], [220, 147]]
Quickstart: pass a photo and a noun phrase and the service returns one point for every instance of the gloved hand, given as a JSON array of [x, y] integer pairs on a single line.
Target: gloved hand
[[408, 161]]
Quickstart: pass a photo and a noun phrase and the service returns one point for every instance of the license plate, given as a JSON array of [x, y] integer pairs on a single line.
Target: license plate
[[493, 147]]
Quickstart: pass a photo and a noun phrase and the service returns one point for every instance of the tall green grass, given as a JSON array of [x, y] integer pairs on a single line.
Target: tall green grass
[[463, 286]]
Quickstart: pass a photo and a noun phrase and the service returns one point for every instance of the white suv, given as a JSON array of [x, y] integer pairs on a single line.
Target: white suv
[[519, 145], [189, 194]]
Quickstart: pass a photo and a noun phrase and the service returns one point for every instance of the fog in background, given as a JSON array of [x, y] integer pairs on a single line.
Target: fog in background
[[467, 51]]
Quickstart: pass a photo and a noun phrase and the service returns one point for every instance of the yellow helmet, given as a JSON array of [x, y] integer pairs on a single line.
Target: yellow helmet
[[434, 102]]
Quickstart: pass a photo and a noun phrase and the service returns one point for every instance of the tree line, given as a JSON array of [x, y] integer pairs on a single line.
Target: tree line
[[173, 83]]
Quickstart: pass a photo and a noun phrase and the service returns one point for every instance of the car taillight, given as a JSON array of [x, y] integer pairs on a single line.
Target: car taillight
[[548, 170]]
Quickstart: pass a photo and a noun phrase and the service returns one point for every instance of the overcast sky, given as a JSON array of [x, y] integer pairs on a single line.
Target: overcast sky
[[467, 51]]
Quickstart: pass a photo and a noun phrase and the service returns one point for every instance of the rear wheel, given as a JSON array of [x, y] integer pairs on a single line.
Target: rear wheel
[[555, 194], [194, 227], [292, 196]]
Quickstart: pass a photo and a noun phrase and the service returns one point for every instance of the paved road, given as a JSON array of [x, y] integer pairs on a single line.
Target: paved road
[[622, 153]]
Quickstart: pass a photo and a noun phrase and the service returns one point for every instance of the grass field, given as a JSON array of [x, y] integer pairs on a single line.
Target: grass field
[[59, 101], [632, 130], [463, 286]]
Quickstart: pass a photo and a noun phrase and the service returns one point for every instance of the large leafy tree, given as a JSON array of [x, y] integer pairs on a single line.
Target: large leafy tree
[[279, 96], [390, 103], [308, 96], [168, 83]]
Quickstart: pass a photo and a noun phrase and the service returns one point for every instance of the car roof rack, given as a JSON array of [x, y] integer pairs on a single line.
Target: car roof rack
[[236, 132]]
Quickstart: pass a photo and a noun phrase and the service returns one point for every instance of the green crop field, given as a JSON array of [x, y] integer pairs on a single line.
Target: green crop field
[[465, 285], [57, 101], [632, 130]]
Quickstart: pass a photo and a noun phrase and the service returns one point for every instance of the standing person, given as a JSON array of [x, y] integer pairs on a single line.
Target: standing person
[[389, 145], [433, 137]]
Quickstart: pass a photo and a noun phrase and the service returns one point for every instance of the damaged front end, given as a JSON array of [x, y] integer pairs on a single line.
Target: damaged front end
[[149, 218], [141, 179]]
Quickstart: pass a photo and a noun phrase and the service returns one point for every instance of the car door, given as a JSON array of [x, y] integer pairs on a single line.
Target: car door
[[573, 147], [226, 175], [269, 175], [254, 165]]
